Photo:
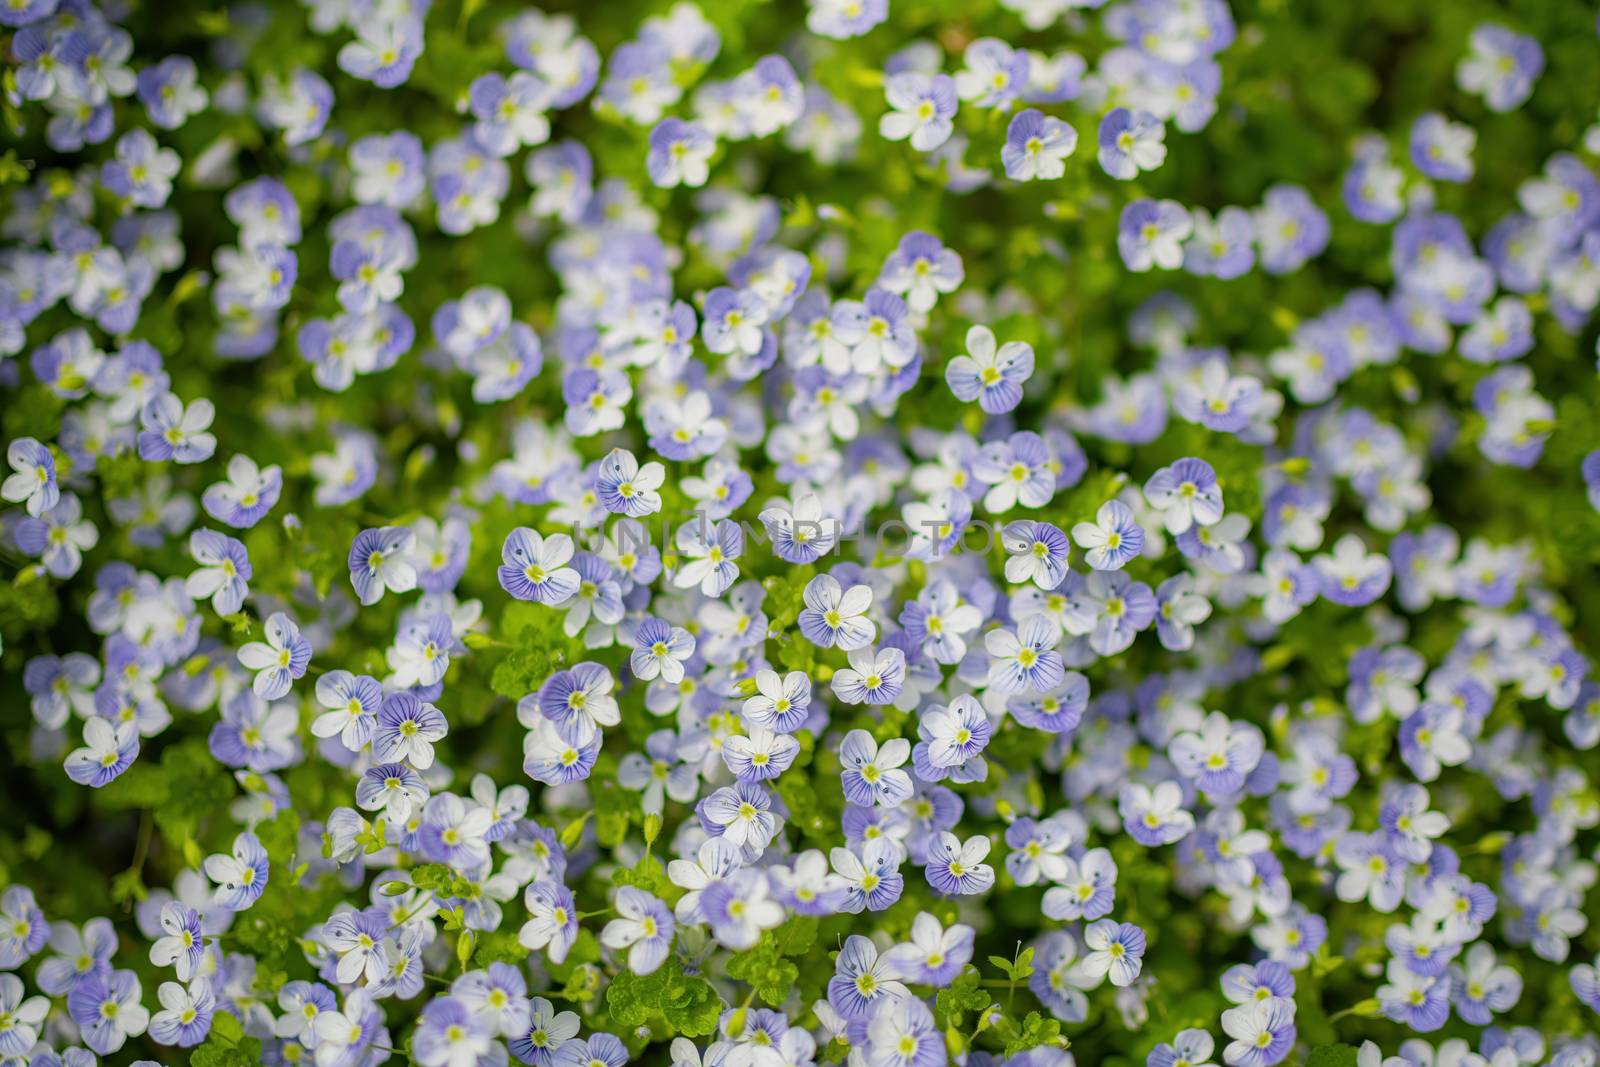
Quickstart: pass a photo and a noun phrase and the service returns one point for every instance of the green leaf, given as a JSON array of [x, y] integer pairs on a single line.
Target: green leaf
[[246, 1054], [280, 836], [648, 874], [765, 969], [499, 946], [614, 810], [963, 995], [226, 1045], [582, 984], [634, 999], [1333, 1056], [226, 1028], [1036, 1030], [691, 1007], [10, 169], [434, 876], [539, 648]]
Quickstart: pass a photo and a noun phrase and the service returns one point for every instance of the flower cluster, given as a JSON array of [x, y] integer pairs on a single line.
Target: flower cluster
[[912, 533]]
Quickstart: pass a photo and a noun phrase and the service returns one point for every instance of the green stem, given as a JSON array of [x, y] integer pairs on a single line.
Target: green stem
[[142, 849], [418, 906]]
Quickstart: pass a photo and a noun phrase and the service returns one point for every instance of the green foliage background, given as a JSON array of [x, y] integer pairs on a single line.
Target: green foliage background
[[1303, 79]]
